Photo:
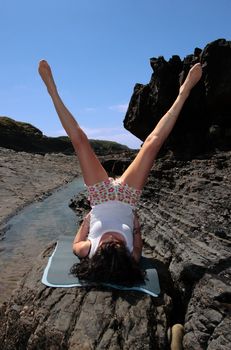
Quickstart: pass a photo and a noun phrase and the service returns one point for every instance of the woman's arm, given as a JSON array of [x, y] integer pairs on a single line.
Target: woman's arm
[[81, 245], [137, 240]]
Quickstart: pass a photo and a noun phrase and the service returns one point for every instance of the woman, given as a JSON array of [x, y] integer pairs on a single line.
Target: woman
[[109, 239]]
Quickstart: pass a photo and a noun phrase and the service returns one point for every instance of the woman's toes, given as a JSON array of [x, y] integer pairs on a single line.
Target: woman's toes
[[46, 75], [44, 67], [194, 75]]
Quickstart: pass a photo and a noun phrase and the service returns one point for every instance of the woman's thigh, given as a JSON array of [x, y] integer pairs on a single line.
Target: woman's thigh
[[92, 170], [137, 173]]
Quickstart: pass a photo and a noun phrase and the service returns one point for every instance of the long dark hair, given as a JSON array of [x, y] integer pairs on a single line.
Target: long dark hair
[[112, 263]]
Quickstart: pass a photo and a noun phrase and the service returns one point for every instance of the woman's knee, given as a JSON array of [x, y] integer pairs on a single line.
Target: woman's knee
[[79, 138], [152, 144]]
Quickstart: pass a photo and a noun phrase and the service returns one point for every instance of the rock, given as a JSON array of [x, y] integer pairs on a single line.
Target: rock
[[25, 137], [209, 103], [21, 136], [208, 317], [216, 58], [27, 177], [116, 167], [81, 318], [185, 218], [185, 213]]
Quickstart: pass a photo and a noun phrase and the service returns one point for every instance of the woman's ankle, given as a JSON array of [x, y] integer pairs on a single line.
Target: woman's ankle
[[53, 92]]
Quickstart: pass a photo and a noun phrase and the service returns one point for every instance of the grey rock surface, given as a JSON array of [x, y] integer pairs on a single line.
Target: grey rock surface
[[38, 317], [185, 214], [185, 218], [27, 177]]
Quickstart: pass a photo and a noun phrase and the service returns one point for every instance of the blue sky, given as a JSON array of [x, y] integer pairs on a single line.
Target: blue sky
[[98, 50]]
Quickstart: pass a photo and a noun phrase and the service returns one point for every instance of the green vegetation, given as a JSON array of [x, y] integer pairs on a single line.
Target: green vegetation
[[22, 136], [11, 125], [106, 147]]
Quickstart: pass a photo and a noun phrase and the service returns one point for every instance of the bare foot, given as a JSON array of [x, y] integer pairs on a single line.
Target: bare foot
[[192, 79], [46, 75]]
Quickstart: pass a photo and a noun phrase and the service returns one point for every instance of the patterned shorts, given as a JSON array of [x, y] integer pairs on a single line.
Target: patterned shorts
[[113, 189]]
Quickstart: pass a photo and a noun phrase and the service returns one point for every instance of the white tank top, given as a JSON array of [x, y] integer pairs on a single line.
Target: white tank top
[[111, 216]]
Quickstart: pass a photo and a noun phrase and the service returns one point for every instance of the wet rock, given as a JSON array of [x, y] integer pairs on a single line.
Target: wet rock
[[27, 177]]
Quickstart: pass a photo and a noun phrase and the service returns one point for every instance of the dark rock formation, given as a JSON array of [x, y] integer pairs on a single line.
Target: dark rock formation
[[115, 166], [25, 137], [103, 147], [205, 121]]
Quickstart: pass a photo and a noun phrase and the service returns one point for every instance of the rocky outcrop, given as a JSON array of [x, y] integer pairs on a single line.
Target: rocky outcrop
[[205, 121], [25, 137]]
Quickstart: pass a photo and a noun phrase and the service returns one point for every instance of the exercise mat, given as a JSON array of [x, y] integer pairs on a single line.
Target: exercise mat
[[57, 271]]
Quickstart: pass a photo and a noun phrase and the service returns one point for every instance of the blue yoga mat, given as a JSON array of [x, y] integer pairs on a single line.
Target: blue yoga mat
[[57, 271]]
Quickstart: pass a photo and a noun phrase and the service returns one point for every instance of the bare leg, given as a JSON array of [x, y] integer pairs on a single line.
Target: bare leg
[[92, 169], [136, 174]]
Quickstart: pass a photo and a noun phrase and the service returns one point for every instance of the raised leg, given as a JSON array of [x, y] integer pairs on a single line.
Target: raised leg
[[136, 174], [91, 167]]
